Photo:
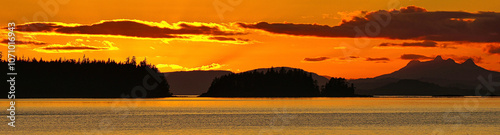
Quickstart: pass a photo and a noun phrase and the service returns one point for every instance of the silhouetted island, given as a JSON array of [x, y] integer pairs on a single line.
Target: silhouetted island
[[85, 78], [339, 87], [276, 82], [273, 83]]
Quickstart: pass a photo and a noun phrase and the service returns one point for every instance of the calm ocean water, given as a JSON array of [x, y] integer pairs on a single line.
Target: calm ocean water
[[256, 116]]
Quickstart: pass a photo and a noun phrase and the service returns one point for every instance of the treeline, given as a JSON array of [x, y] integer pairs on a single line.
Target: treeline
[[276, 83], [85, 78], [339, 87]]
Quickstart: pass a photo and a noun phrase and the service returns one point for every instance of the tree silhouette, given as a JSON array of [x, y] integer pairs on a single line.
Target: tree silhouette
[[85, 78], [338, 87]]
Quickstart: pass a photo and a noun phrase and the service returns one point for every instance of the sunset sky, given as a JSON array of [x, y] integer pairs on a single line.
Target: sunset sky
[[351, 39]]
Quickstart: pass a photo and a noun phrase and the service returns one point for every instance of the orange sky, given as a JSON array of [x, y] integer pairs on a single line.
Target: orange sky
[[226, 45]]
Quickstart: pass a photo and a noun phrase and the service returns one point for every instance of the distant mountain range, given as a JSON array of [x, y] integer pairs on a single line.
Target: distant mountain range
[[198, 82], [435, 77]]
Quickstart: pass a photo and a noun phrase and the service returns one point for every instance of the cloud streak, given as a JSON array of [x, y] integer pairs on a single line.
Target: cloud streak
[[76, 46], [493, 49], [414, 57], [24, 42], [411, 44], [381, 59], [316, 59], [138, 29], [212, 66]]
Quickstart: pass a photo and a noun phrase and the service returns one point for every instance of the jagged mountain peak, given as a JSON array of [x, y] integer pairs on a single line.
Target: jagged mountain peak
[[438, 58], [450, 60], [469, 62]]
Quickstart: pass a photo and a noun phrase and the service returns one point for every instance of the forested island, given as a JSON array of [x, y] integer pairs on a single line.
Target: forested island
[[85, 78], [339, 87], [277, 82]]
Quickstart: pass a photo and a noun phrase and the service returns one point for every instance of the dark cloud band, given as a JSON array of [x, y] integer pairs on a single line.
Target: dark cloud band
[[131, 28], [316, 59], [407, 23]]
